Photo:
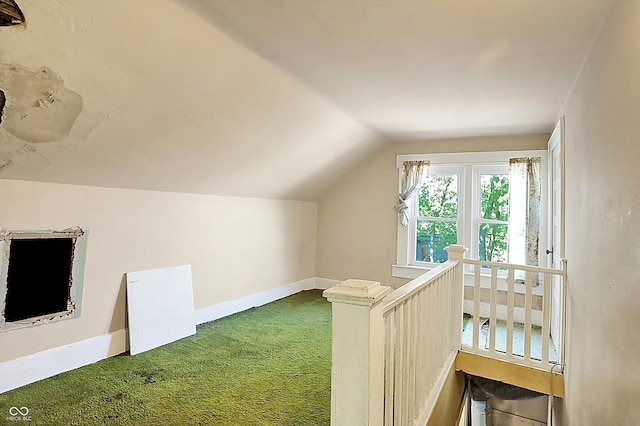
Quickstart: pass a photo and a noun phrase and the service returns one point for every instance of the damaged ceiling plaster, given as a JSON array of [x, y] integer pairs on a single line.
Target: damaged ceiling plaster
[[2, 102], [10, 13], [38, 107]]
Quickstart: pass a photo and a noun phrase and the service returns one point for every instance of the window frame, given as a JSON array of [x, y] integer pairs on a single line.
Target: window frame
[[472, 165], [476, 216], [414, 216]]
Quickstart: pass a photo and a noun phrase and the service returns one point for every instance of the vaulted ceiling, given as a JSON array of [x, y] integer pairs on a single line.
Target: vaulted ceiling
[[271, 98], [416, 69]]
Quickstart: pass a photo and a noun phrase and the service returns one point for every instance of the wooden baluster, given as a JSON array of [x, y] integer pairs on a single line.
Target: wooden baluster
[[528, 307], [455, 294], [390, 363], [493, 326], [510, 309], [424, 344], [546, 318], [563, 314], [401, 369], [407, 361], [413, 326], [476, 306], [443, 322]]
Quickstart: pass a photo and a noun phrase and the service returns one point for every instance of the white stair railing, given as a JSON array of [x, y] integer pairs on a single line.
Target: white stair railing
[[392, 350], [516, 328], [391, 355], [422, 337]]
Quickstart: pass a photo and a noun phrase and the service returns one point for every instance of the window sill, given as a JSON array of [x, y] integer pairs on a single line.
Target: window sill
[[408, 272]]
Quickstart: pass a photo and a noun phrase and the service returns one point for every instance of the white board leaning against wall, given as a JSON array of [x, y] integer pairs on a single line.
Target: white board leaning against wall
[[160, 307]]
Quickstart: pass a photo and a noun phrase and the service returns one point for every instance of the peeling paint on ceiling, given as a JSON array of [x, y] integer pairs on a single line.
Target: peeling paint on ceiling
[[38, 107], [194, 110], [2, 102], [10, 13]]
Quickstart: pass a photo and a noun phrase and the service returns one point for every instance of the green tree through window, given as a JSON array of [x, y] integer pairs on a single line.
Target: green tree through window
[[494, 218], [436, 225], [438, 214]]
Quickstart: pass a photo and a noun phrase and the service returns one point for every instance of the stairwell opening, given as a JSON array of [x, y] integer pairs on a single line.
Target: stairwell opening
[[494, 403]]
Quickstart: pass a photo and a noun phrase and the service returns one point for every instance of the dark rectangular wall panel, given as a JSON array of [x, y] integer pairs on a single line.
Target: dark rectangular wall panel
[[39, 277]]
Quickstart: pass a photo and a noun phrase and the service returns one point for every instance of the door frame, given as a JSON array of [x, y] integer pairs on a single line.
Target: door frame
[[556, 229]]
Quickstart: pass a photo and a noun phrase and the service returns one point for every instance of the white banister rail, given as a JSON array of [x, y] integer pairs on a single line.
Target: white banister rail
[[408, 290], [517, 329], [420, 345], [391, 355], [392, 350]]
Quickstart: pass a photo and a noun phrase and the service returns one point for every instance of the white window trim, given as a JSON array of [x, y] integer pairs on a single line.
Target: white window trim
[[480, 161], [474, 218], [413, 208]]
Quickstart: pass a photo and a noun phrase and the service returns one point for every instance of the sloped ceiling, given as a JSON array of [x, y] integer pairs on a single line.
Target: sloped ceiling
[[271, 98], [416, 69], [149, 94]]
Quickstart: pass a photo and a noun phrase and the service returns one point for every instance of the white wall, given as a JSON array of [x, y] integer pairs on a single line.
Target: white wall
[[236, 246], [603, 228], [356, 222], [357, 219]]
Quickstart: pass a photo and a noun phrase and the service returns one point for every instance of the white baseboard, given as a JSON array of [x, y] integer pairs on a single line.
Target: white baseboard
[[31, 368], [325, 283], [231, 307], [40, 365]]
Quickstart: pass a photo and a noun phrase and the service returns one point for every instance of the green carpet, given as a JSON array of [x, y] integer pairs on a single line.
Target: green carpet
[[266, 366]]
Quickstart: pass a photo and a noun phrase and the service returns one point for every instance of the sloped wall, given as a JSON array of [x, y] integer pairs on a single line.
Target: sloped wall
[[236, 246], [603, 228], [150, 96]]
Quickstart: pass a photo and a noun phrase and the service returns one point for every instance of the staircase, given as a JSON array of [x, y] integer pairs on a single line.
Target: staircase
[[396, 353]]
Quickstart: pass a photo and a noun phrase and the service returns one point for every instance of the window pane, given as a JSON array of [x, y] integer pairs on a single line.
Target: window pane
[[492, 242], [438, 196], [494, 197], [432, 238]]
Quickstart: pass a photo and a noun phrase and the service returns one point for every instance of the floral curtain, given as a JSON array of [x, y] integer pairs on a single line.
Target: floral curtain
[[413, 174], [524, 212]]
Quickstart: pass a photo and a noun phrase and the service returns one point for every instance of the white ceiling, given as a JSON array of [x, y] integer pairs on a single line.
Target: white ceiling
[[272, 98], [420, 69]]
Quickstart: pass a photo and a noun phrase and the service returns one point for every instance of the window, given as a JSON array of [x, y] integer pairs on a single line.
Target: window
[[437, 217], [464, 200], [40, 276], [492, 213]]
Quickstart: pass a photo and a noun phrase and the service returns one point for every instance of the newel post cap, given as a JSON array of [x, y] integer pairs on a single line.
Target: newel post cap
[[456, 252], [357, 292]]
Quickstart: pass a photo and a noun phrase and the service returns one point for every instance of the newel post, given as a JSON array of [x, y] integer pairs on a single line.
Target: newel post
[[456, 252], [357, 361]]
